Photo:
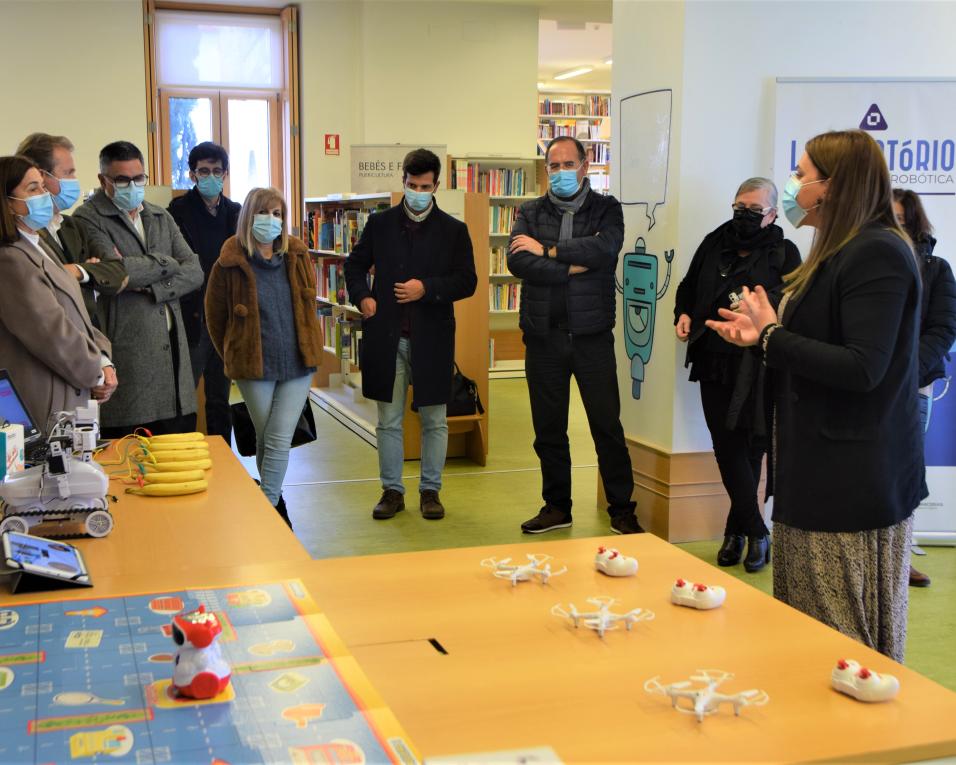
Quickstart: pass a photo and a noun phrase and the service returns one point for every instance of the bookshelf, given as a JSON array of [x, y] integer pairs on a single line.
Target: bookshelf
[[587, 117], [333, 224], [509, 182]]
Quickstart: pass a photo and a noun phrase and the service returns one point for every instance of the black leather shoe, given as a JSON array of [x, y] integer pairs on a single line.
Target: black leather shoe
[[283, 512], [731, 550], [391, 502], [758, 554]]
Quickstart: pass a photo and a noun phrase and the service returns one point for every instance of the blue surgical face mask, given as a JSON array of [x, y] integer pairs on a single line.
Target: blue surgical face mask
[[788, 200], [417, 200], [130, 198], [39, 211], [565, 183], [265, 228], [69, 193], [209, 186]]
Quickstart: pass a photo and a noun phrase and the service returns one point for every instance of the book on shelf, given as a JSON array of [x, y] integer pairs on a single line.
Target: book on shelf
[[581, 129], [343, 336], [590, 105], [502, 216], [469, 175], [599, 153], [330, 281], [336, 229], [504, 297], [498, 262]]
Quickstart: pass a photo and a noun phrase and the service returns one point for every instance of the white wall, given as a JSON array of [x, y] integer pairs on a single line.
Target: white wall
[[331, 90], [75, 69], [731, 54], [460, 74], [648, 56]]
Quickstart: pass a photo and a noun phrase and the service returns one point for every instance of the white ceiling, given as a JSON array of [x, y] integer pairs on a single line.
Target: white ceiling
[[561, 49]]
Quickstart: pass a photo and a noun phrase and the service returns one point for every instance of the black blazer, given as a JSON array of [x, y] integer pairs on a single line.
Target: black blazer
[[849, 449], [440, 255], [205, 236]]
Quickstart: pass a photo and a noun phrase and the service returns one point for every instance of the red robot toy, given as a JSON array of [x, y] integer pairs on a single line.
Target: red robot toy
[[201, 672]]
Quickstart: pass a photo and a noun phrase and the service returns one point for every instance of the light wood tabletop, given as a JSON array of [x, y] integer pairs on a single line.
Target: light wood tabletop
[[515, 676]]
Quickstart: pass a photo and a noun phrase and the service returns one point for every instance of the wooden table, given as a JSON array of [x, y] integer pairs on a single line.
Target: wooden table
[[159, 540], [514, 676]]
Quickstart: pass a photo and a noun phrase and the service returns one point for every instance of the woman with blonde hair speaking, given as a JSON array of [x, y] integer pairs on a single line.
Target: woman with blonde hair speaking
[[260, 311], [841, 352]]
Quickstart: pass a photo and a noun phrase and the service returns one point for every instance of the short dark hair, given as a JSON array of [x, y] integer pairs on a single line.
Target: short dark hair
[[39, 147], [915, 222], [208, 150], [119, 151], [419, 162], [582, 154], [12, 170]]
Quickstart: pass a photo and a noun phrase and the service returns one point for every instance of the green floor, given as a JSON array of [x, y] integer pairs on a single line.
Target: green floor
[[332, 486]]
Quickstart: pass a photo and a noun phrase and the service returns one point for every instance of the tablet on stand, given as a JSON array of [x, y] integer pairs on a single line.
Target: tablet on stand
[[35, 564]]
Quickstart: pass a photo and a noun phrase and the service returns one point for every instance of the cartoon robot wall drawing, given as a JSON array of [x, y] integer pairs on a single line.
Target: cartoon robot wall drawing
[[640, 307]]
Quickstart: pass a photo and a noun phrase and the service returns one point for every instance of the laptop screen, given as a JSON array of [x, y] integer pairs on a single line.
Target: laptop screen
[[13, 410]]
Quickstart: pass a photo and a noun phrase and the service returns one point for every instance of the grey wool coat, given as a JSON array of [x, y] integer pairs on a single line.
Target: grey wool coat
[[161, 270], [47, 342]]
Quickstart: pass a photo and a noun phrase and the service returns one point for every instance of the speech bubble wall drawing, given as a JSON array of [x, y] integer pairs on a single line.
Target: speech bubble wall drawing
[[645, 149]]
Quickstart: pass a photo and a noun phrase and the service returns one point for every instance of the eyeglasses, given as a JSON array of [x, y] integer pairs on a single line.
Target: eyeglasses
[[123, 181], [750, 208], [205, 172]]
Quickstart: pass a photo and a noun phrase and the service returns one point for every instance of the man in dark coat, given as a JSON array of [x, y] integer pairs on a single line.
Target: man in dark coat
[[64, 237], [144, 321], [564, 246], [423, 262], [207, 218]]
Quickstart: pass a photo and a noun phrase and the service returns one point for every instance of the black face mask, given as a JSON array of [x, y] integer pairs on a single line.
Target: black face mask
[[746, 223]]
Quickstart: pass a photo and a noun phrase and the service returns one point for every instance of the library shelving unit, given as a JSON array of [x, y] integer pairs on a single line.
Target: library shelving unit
[[587, 117], [509, 181], [333, 224]]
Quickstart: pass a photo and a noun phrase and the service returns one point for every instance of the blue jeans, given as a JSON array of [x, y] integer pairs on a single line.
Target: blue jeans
[[275, 408], [391, 450]]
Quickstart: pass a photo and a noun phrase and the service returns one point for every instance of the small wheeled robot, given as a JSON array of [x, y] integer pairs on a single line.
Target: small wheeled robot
[[696, 595], [67, 494], [200, 670], [862, 683]]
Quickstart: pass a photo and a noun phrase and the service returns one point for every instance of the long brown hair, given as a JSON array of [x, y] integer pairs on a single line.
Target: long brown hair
[[915, 222], [12, 170], [859, 194]]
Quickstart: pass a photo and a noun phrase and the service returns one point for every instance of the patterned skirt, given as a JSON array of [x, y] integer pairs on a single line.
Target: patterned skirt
[[856, 582]]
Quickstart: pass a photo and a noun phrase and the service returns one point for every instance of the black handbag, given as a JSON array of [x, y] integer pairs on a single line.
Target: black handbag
[[245, 431], [464, 398]]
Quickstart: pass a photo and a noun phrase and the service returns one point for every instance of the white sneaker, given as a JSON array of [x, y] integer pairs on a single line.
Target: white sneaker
[[701, 596], [861, 683], [609, 561]]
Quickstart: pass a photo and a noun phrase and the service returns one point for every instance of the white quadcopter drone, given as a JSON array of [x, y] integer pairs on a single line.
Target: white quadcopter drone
[[704, 699], [537, 566], [861, 683], [603, 620]]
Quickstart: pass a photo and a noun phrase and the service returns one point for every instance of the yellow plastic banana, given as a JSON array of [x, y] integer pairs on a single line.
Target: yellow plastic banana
[[176, 446], [173, 467], [178, 456], [169, 489], [175, 438], [179, 476]]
